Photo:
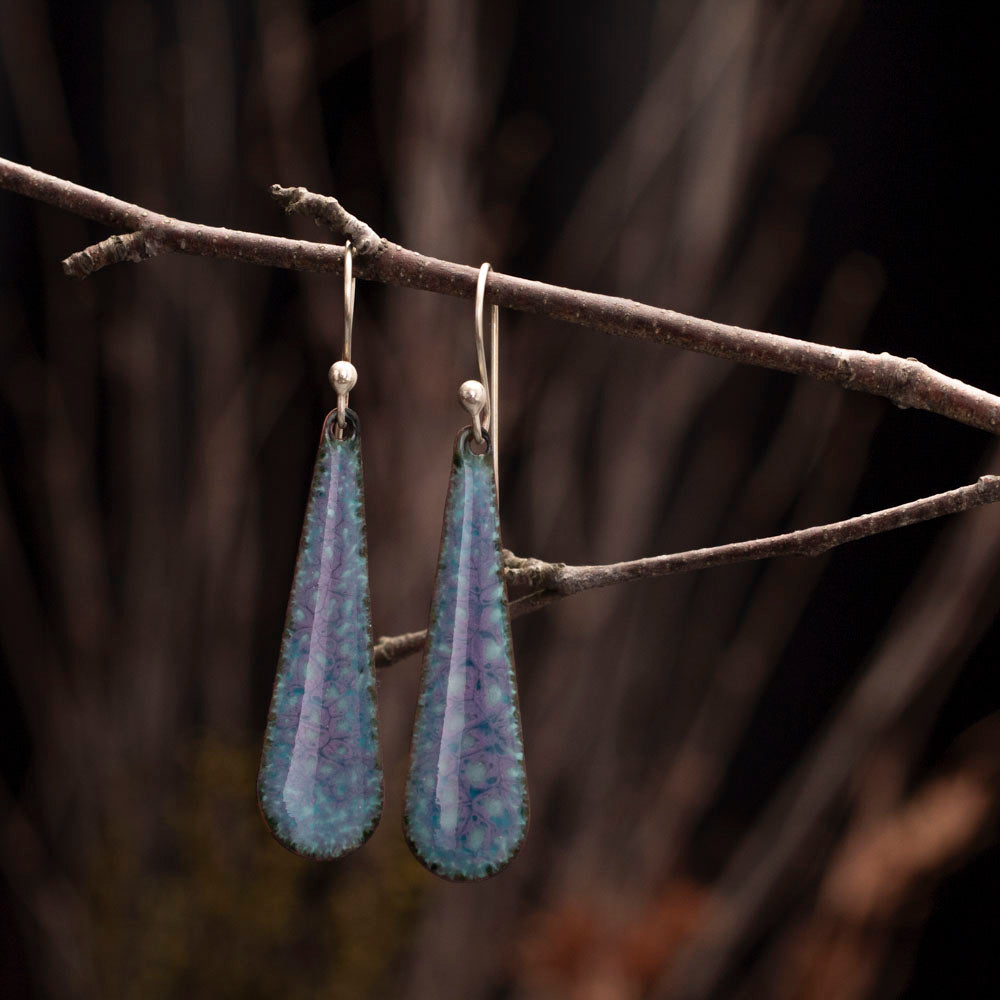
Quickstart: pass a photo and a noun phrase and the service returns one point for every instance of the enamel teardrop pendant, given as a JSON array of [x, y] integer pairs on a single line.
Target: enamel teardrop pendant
[[320, 783]]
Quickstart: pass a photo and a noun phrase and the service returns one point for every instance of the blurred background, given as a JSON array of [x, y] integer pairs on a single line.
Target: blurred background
[[769, 780]]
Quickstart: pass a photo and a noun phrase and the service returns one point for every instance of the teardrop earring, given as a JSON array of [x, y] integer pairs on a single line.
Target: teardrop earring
[[320, 781], [466, 810]]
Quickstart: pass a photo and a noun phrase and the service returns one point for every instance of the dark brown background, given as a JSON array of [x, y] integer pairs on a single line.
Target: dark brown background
[[789, 745]]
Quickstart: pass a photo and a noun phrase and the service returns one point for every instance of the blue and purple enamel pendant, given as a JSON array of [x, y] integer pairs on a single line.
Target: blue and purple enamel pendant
[[320, 782], [466, 809]]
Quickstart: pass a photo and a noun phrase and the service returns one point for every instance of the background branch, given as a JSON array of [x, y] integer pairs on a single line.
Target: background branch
[[556, 580], [904, 381]]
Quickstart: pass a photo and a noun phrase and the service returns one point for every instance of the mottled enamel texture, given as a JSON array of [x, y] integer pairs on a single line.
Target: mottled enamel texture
[[320, 782], [466, 798]]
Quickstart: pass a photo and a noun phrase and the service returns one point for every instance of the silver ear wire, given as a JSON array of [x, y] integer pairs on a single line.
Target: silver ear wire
[[343, 375], [489, 411]]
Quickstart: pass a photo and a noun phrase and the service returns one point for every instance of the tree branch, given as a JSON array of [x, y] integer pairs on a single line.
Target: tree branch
[[556, 580], [904, 381]]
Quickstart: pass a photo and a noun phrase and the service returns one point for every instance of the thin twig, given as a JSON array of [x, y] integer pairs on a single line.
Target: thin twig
[[904, 381], [326, 210], [115, 249], [392, 648], [557, 580]]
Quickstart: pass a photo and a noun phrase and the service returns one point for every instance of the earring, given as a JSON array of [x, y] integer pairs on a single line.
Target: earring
[[320, 781], [466, 808]]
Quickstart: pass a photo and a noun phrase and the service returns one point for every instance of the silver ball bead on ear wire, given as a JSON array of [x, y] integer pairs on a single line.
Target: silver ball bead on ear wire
[[343, 377]]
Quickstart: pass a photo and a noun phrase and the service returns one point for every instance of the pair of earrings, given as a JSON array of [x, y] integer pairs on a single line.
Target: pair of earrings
[[320, 782]]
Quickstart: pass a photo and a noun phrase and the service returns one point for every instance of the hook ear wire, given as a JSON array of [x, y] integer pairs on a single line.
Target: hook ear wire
[[343, 374], [350, 284], [480, 348], [491, 408]]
